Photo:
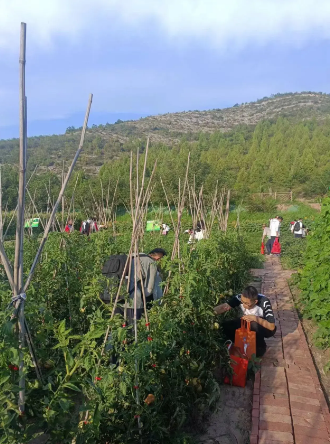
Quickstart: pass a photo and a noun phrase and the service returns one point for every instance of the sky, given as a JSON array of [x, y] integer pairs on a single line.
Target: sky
[[144, 57]]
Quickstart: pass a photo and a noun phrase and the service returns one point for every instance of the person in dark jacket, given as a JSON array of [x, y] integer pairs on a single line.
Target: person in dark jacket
[[255, 308]]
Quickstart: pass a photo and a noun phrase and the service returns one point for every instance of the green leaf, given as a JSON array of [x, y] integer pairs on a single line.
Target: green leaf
[[71, 386], [123, 388], [4, 379], [64, 403]]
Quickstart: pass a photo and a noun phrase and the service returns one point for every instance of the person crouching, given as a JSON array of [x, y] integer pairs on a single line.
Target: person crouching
[[257, 309]]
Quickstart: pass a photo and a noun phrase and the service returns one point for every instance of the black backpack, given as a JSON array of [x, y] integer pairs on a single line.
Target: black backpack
[[86, 228], [296, 227], [113, 269]]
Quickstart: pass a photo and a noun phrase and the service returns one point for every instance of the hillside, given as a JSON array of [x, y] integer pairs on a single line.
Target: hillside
[[107, 142], [171, 127]]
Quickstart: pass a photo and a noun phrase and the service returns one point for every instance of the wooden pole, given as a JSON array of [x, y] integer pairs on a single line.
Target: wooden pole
[[18, 264], [35, 208], [72, 200], [18, 277], [227, 211], [63, 198], [50, 221]]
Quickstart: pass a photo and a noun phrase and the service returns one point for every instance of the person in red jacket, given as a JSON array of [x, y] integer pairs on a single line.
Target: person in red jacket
[[69, 227]]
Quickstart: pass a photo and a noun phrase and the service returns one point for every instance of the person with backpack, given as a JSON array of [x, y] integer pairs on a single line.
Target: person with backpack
[[150, 279], [117, 266], [298, 228]]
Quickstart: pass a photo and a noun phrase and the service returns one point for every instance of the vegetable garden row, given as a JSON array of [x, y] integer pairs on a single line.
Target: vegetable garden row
[[84, 397]]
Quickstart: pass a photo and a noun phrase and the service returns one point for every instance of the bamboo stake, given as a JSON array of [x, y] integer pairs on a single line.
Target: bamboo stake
[[18, 277], [102, 201], [7, 266], [180, 210], [113, 198], [72, 198], [107, 201], [18, 264], [8, 226], [134, 233], [137, 174], [27, 283], [34, 207], [14, 213], [168, 205], [51, 206], [227, 211], [63, 198]]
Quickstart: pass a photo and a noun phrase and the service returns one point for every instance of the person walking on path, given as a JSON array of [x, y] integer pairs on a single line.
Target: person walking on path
[[298, 228], [274, 225], [256, 309]]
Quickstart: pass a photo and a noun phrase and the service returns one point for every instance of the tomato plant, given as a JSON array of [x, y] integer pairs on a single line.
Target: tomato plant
[[154, 387]]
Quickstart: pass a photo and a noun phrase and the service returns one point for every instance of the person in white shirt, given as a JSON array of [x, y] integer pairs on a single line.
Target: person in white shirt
[[165, 229], [274, 226], [298, 228]]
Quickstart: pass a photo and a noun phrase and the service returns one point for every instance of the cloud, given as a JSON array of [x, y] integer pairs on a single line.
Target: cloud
[[224, 24]]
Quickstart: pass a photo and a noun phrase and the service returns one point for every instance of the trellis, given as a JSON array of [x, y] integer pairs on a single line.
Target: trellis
[[15, 274]]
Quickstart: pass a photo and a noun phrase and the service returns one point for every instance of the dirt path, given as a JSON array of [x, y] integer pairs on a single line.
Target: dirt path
[[314, 205], [289, 406]]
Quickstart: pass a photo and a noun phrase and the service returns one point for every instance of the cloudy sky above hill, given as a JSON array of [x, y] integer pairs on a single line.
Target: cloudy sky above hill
[[142, 57]]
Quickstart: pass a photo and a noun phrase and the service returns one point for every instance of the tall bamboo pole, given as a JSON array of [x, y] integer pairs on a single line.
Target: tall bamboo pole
[[63, 222], [22, 162], [18, 264]]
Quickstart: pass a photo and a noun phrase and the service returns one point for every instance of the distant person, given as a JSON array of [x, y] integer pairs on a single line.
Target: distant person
[[191, 235], [265, 233], [200, 230], [86, 227], [257, 309], [291, 227], [69, 228], [94, 228], [274, 225], [165, 229], [298, 228], [198, 233]]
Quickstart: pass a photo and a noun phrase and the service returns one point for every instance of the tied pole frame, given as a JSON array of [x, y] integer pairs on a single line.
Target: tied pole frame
[[15, 274]]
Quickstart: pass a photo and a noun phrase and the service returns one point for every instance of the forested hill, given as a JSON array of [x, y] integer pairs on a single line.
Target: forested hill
[[106, 142], [281, 153]]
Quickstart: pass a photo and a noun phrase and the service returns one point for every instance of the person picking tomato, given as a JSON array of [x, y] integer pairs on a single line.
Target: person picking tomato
[[257, 309]]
